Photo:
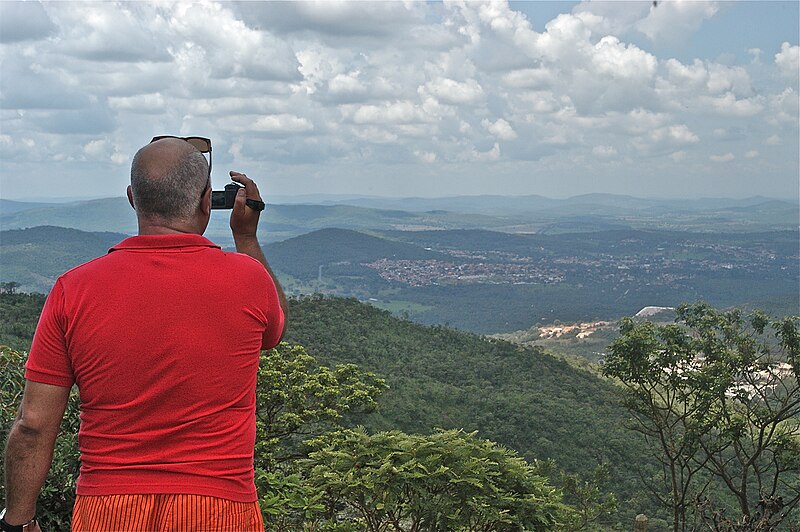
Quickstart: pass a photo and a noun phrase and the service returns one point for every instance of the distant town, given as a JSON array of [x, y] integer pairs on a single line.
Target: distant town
[[670, 265]]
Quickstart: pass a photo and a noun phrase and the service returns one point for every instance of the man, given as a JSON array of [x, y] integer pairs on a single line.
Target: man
[[162, 337]]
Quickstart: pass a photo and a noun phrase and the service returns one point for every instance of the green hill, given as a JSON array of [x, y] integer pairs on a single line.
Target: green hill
[[302, 256], [35, 257], [439, 377]]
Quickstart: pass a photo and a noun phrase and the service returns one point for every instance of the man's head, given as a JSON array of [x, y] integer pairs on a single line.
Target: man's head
[[169, 178]]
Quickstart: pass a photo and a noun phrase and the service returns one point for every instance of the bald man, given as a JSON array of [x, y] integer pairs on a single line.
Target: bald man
[[162, 338]]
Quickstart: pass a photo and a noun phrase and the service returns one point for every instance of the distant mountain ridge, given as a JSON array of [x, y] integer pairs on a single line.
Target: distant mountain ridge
[[523, 214]]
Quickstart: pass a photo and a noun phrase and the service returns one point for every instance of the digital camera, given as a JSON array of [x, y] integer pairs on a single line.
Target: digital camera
[[224, 199]]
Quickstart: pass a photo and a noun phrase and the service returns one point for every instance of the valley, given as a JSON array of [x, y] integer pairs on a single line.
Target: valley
[[495, 266]]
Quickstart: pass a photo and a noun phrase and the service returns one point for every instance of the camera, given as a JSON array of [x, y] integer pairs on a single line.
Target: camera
[[224, 199]]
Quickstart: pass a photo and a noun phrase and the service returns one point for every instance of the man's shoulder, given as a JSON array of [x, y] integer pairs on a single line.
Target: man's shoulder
[[243, 261], [84, 269]]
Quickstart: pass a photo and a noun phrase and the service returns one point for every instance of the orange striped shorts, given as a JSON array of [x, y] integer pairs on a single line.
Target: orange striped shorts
[[164, 513]]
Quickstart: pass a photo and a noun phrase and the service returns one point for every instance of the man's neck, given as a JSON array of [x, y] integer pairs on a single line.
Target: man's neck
[[149, 227]]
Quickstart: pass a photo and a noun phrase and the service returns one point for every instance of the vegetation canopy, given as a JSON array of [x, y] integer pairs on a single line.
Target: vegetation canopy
[[716, 395]]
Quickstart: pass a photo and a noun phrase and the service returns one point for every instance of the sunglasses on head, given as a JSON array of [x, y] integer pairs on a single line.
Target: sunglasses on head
[[202, 144]]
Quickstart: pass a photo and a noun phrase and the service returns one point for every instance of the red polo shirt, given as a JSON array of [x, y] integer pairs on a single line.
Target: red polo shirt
[[162, 337]]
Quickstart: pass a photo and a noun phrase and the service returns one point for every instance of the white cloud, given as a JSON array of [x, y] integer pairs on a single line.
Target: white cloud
[[725, 158], [729, 105], [347, 84], [455, 92], [788, 61], [500, 129], [403, 112], [529, 78], [677, 134], [784, 108], [617, 60], [379, 83], [425, 156], [142, 103], [492, 154], [751, 154], [280, 123], [678, 156], [604, 151], [284, 123], [675, 21]]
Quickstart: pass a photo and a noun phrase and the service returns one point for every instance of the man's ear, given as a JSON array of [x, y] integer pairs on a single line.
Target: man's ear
[[205, 202], [130, 197]]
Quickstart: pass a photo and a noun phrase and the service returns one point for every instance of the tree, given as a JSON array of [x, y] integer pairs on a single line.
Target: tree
[[449, 480], [589, 498], [297, 400], [718, 396]]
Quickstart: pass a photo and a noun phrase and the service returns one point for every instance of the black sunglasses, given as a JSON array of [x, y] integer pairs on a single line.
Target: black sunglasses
[[202, 144]]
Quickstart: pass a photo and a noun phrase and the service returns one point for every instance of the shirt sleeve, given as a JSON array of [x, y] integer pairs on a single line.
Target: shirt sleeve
[[48, 360], [275, 317]]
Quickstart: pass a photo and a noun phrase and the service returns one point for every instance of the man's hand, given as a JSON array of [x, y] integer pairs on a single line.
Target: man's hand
[[244, 220]]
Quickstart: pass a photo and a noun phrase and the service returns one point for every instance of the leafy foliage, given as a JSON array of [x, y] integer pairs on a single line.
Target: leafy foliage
[[19, 314], [719, 399], [449, 480], [297, 399], [589, 498]]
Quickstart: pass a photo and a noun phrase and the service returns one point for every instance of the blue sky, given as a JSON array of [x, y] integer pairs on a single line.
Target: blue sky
[[683, 99]]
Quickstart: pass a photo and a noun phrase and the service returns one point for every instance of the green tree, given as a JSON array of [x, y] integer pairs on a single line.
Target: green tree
[[58, 494], [447, 481], [589, 498], [717, 394], [298, 399]]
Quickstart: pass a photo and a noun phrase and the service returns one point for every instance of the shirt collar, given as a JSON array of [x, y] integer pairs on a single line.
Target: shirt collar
[[181, 240]]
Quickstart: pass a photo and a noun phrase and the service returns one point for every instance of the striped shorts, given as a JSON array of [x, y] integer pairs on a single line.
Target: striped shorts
[[164, 513]]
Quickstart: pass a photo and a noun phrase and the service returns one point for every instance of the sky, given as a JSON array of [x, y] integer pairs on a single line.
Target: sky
[[670, 99]]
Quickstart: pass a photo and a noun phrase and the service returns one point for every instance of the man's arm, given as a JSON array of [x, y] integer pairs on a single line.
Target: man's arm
[[29, 449], [244, 226]]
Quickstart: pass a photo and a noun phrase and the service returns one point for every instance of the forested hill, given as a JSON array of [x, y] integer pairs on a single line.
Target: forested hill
[[303, 255], [439, 377], [34, 257]]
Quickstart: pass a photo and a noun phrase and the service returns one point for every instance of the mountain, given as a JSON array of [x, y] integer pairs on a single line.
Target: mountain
[[9, 206], [279, 222], [487, 282], [110, 214], [35, 257], [512, 214]]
